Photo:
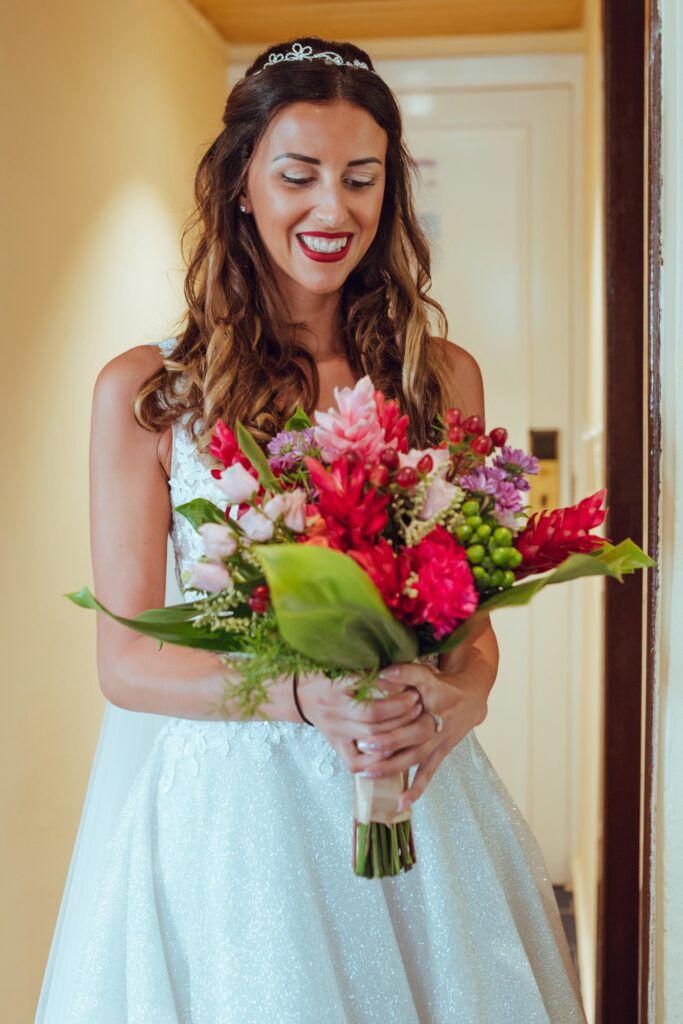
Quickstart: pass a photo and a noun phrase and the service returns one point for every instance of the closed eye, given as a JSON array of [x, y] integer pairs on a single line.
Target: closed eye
[[304, 181]]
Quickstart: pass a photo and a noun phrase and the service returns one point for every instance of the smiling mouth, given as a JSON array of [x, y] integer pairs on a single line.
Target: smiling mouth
[[324, 249]]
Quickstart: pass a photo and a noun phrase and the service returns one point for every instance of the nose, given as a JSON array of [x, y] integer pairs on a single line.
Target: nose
[[331, 207]]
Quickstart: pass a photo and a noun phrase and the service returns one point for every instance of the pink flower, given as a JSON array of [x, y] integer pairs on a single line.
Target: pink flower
[[444, 593], [219, 541], [292, 506], [439, 496], [211, 576], [256, 526], [237, 484], [355, 425]]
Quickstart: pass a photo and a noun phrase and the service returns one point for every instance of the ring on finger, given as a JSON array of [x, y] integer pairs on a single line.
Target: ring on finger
[[438, 720]]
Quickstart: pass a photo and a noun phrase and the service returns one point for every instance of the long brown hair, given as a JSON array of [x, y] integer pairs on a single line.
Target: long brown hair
[[237, 355]]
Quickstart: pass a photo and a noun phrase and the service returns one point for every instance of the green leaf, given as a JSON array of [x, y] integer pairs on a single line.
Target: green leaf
[[171, 625], [299, 420], [328, 608], [200, 511], [257, 459], [610, 560]]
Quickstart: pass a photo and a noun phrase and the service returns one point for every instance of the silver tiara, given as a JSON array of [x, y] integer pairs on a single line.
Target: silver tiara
[[299, 52]]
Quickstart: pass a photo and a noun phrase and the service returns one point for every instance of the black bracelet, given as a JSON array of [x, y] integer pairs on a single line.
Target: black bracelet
[[296, 699]]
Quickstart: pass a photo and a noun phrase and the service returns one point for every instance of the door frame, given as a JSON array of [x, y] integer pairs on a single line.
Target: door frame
[[632, 76]]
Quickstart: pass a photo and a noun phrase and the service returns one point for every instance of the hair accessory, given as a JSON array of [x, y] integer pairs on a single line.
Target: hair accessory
[[296, 699], [300, 52]]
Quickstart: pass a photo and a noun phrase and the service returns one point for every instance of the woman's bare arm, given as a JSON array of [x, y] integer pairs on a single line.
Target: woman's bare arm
[[130, 515]]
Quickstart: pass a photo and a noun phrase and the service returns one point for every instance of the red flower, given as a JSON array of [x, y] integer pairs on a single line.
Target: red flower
[[353, 516], [551, 537], [391, 421], [446, 594], [387, 570], [224, 446]]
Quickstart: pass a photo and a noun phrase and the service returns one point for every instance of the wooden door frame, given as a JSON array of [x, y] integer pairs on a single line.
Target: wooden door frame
[[632, 71]]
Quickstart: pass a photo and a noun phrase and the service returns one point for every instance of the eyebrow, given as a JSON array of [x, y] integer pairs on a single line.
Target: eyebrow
[[313, 160]]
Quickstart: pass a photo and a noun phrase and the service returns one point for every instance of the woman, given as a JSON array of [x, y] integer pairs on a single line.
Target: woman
[[227, 894]]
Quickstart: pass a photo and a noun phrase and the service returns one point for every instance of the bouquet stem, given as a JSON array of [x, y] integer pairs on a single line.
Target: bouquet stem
[[382, 836]]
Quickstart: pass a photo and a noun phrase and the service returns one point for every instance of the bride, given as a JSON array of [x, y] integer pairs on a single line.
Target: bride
[[222, 891]]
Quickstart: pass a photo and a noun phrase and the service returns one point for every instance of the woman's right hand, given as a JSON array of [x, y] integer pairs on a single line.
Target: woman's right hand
[[342, 719]]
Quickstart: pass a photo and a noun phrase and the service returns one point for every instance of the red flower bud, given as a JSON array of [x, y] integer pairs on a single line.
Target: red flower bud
[[407, 477], [261, 592], [473, 425], [425, 464], [257, 606], [453, 417], [482, 445], [379, 476], [389, 458], [499, 436], [456, 435]]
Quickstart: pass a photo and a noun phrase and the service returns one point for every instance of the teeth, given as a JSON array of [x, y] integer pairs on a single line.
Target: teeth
[[324, 244]]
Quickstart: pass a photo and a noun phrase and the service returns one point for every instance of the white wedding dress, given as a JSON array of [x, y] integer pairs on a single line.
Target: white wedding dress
[[225, 893]]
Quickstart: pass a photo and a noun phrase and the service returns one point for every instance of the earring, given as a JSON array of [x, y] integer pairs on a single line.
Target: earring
[[243, 208]]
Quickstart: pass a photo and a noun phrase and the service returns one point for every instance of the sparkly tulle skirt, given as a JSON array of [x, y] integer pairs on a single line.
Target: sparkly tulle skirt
[[228, 896]]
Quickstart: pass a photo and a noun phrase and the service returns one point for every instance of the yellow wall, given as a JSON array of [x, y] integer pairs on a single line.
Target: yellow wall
[[590, 477], [110, 107]]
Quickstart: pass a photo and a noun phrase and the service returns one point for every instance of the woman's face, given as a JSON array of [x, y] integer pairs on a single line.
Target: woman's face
[[317, 175]]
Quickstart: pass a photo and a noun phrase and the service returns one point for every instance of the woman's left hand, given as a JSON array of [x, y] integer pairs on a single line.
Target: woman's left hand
[[418, 743]]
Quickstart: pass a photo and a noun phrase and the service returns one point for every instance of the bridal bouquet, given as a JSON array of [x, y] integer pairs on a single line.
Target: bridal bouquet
[[349, 552]]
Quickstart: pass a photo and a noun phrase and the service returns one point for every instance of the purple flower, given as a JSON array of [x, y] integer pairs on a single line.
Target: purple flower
[[289, 447], [483, 480], [514, 462], [494, 482]]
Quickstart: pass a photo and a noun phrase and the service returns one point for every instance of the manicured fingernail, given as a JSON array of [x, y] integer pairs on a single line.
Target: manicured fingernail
[[389, 673], [366, 745]]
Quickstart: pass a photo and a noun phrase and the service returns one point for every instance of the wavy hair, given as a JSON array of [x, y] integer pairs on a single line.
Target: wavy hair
[[237, 355]]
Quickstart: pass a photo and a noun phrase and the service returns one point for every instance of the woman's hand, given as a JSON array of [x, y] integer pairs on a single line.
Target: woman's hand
[[342, 719], [459, 701]]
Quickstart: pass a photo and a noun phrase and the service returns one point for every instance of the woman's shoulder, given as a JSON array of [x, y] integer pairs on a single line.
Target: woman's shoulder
[[466, 374], [128, 370]]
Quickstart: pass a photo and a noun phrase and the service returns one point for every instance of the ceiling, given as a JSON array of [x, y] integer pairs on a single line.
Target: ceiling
[[268, 21]]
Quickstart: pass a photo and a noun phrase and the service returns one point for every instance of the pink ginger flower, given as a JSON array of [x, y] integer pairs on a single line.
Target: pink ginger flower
[[355, 425]]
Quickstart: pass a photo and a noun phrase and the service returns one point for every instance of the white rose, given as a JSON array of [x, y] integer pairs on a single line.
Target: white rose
[[438, 496], [256, 526], [274, 506], [219, 541], [237, 484], [291, 505]]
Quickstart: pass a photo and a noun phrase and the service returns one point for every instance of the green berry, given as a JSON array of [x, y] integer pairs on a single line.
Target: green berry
[[497, 578], [463, 533], [487, 564], [475, 553], [479, 573], [470, 508], [474, 522], [508, 578], [500, 557], [503, 536], [484, 531], [515, 558]]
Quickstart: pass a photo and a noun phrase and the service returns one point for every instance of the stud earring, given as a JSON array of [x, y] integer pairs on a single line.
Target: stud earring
[[243, 208]]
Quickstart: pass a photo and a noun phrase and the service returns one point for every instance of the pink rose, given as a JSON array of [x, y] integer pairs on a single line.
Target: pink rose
[[256, 526], [291, 505], [237, 484], [210, 576], [219, 541], [439, 495]]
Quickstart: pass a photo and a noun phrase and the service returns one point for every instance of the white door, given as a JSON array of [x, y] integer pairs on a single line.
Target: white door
[[497, 143]]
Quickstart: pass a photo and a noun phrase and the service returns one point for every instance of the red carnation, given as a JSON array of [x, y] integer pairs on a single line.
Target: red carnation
[[445, 590], [551, 537], [224, 446], [393, 424], [353, 515]]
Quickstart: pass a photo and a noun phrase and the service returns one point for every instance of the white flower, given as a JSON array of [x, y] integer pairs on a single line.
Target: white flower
[[210, 576], [237, 484], [291, 505], [219, 541], [256, 526], [439, 495]]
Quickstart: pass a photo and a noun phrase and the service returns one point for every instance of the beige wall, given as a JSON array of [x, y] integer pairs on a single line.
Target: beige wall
[[110, 108]]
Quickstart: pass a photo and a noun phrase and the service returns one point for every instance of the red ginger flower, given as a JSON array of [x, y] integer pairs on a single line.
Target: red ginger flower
[[224, 446], [551, 537], [446, 594], [353, 518], [387, 570], [393, 424]]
